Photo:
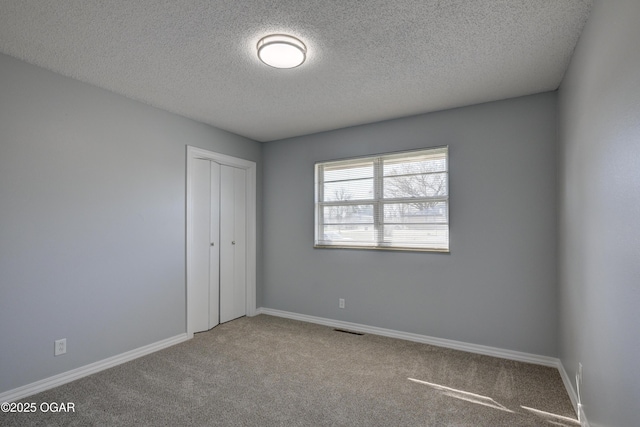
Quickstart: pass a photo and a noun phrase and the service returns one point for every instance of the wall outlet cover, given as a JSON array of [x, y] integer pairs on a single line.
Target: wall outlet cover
[[60, 347]]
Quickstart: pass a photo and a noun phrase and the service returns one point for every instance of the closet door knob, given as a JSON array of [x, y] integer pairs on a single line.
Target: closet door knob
[[213, 244], [233, 243]]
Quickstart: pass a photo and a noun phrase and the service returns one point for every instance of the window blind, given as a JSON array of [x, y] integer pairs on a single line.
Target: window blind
[[389, 201]]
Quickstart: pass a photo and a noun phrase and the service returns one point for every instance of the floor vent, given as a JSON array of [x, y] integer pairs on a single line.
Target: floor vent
[[348, 332]]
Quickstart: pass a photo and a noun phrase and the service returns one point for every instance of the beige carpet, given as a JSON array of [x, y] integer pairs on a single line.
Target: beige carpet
[[268, 371]]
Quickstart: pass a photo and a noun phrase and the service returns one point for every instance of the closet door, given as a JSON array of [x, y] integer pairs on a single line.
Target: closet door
[[204, 296], [232, 243]]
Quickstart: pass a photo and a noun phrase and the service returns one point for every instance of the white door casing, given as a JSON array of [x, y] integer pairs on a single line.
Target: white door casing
[[195, 190]]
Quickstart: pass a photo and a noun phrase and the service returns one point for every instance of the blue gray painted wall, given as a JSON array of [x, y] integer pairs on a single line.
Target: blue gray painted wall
[[599, 213], [92, 221], [497, 287]]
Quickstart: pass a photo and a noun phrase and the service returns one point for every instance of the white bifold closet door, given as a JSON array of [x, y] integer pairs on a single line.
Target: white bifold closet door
[[219, 258]]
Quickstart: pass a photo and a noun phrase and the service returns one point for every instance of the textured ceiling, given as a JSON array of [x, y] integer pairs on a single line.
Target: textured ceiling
[[368, 60]]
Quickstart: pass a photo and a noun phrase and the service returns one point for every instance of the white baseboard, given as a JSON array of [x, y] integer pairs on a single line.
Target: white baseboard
[[83, 371], [440, 342], [573, 396], [569, 386]]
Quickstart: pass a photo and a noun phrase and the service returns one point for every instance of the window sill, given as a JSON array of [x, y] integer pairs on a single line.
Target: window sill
[[382, 248]]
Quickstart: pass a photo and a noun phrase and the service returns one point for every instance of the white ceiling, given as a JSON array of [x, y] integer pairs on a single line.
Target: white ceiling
[[368, 60]]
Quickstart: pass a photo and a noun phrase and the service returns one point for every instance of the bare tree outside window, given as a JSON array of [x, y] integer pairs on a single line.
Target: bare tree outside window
[[405, 183], [341, 212]]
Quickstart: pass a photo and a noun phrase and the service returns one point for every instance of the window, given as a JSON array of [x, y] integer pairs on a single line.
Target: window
[[390, 201]]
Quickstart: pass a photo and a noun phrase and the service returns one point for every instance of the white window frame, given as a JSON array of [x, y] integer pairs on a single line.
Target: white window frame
[[378, 201]]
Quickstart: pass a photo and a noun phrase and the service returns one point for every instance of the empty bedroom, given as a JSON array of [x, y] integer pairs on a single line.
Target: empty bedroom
[[320, 213]]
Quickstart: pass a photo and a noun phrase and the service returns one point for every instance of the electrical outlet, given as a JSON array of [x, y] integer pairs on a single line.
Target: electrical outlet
[[341, 303], [60, 347]]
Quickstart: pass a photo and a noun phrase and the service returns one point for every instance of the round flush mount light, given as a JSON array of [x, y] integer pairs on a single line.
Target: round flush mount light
[[281, 51]]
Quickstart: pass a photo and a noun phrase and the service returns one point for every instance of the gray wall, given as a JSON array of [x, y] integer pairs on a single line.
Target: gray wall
[[92, 221], [599, 214], [497, 287]]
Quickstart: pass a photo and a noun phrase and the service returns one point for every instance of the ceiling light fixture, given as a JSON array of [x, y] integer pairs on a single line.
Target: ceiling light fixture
[[281, 51]]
